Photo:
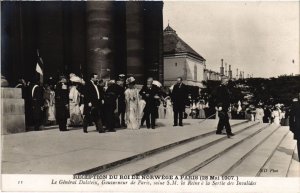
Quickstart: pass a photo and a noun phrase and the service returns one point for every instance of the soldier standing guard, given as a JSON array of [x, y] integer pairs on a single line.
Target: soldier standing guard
[[62, 103]]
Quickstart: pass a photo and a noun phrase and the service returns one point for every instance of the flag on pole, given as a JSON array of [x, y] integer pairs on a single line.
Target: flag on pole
[[39, 69]]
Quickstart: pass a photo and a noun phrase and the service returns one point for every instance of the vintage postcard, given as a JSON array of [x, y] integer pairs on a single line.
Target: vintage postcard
[[150, 96]]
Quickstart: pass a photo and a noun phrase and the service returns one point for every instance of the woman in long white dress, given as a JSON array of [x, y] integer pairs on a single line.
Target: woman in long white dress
[[161, 111], [133, 110], [259, 114], [76, 118], [75, 114], [201, 107], [49, 97], [169, 108], [276, 114]]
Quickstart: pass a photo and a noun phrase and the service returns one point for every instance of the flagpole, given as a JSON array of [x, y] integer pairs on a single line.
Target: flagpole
[[41, 63]]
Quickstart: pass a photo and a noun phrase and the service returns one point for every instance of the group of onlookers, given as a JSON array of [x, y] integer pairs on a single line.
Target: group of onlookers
[[72, 101], [111, 104]]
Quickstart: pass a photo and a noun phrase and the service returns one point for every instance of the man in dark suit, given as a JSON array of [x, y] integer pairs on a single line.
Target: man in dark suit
[[179, 98], [110, 105], [93, 102], [150, 93], [37, 103], [121, 101], [223, 102], [62, 103], [294, 122]]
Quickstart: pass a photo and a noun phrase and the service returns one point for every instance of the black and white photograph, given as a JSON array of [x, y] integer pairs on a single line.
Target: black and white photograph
[[105, 91]]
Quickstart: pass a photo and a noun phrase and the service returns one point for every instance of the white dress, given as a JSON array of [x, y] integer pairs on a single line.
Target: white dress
[[201, 111], [133, 111], [51, 106], [75, 113], [161, 111], [259, 114], [276, 115], [169, 109]]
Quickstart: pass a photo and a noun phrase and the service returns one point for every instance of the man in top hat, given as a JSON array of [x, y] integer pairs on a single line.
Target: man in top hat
[[223, 102], [93, 104], [179, 98], [110, 105], [150, 93], [121, 99], [62, 103]]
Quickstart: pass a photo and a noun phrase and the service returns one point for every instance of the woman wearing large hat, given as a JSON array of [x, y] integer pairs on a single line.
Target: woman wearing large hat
[[133, 109]]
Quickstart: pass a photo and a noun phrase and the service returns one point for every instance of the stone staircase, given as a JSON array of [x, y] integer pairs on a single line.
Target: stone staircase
[[256, 150]]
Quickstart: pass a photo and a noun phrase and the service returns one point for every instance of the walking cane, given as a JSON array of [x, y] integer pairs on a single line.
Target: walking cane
[[207, 118]]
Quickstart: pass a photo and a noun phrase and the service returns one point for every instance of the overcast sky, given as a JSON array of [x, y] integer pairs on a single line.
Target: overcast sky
[[258, 37]]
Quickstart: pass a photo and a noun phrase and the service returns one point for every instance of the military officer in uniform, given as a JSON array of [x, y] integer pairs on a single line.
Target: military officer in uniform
[[223, 102], [36, 105]]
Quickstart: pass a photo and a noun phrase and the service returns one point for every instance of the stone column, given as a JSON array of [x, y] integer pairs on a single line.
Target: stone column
[[135, 40], [99, 15], [153, 35]]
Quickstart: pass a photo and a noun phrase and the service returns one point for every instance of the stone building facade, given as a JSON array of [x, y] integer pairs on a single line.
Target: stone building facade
[[83, 37]]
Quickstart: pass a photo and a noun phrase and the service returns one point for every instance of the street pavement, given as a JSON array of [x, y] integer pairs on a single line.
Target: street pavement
[[55, 152]]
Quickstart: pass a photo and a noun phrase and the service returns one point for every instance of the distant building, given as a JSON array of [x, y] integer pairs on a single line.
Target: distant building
[[211, 75], [180, 60]]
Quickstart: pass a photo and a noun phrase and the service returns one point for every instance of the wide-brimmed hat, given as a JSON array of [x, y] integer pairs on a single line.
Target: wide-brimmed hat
[[130, 80]]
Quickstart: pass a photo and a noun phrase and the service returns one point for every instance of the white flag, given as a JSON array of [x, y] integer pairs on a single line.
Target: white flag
[[39, 69]]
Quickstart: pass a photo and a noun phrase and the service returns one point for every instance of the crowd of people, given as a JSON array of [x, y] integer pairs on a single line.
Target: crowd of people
[[111, 104], [119, 103]]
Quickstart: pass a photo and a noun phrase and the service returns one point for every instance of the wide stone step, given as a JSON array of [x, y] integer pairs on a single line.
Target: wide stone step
[[12, 124], [13, 111], [206, 131], [162, 159], [11, 93], [279, 163], [13, 106], [194, 162], [294, 169], [252, 165], [231, 159]]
